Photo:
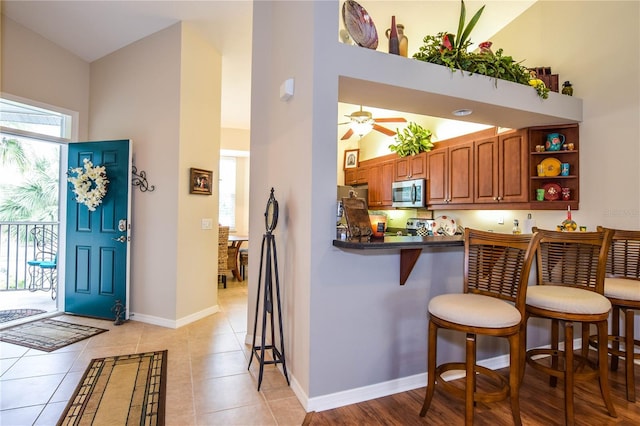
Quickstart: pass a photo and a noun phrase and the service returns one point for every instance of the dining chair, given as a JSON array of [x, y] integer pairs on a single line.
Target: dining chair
[[622, 288], [569, 290], [496, 273], [223, 254]]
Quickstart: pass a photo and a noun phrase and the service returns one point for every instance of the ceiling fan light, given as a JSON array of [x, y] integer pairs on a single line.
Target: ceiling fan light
[[361, 128]]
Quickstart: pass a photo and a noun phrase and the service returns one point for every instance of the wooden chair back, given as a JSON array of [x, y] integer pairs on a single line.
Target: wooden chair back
[[498, 265], [574, 259], [623, 260]]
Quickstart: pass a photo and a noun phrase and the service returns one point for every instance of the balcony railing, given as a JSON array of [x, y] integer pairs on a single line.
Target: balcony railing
[[17, 247]]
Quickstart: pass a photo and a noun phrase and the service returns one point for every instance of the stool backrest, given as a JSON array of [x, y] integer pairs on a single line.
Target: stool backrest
[[624, 254], [498, 265], [573, 259], [223, 253]]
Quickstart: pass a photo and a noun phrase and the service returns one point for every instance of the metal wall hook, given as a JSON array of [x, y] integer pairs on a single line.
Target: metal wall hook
[[140, 180]]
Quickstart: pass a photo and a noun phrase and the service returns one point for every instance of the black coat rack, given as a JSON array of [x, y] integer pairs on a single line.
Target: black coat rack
[[269, 264]]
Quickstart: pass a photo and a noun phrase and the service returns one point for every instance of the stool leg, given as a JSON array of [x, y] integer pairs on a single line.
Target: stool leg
[[515, 359], [568, 373], [431, 367], [555, 336], [603, 376], [629, 354], [615, 332], [470, 379]]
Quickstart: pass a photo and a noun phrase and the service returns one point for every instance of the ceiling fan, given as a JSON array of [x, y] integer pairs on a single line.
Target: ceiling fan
[[362, 122]]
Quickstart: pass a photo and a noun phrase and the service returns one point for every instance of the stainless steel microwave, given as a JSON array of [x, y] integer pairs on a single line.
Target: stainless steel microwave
[[409, 193]]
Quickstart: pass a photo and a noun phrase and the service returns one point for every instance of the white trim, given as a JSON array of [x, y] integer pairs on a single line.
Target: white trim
[[164, 322], [75, 115], [378, 390]]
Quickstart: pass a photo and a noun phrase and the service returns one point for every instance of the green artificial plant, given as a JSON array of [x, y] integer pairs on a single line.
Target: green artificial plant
[[413, 140], [451, 51]]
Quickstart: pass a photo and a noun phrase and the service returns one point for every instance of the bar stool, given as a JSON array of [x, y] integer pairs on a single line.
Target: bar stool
[[244, 262], [622, 288], [496, 272], [570, 274]]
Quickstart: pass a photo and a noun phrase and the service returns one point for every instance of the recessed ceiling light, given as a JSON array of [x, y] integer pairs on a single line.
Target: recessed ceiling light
[[462, 112]]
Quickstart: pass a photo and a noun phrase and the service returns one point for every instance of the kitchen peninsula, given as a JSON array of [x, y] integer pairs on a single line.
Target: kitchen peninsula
[[410, 248]]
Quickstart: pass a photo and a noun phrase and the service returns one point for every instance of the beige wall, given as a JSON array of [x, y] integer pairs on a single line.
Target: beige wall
[[163, 92], [34, 68]]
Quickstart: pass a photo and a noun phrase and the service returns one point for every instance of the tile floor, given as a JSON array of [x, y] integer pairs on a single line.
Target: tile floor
[[208, 381]]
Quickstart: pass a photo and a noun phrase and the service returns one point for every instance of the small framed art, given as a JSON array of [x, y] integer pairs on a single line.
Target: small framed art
[[200, 181], [351, 158]]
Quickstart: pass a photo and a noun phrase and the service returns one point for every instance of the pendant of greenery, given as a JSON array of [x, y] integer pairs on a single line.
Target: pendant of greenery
[[451, 51], [413, 140]]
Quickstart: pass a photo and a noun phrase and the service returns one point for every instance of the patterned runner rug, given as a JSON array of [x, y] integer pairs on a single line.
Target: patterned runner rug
[[14, 314], [48, 334], [120, 390]]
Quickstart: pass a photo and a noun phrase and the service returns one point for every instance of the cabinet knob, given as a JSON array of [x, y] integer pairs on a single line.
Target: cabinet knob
[[499, 198]]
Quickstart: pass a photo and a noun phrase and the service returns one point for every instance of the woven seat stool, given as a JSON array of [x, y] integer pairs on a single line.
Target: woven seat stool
[[622, 288], [223, 254], [570, 274], [496, 273]]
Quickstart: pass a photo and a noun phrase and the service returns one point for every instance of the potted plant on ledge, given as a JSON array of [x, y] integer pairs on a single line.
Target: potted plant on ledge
[[451, 51]]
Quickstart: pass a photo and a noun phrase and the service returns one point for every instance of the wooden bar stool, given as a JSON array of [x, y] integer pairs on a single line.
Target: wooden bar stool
[[622, 288], [496, 272], [570, 274]]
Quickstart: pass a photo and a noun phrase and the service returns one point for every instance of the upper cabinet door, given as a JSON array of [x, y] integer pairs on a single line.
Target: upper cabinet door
[[461, 173], [513, 174]]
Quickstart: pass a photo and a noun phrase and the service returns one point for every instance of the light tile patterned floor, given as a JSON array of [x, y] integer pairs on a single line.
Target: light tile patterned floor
[[208, 382]]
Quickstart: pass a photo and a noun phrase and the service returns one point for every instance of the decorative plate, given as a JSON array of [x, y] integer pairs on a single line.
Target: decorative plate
[[552, 191], [359, 25], [551, 166], [444, 225]]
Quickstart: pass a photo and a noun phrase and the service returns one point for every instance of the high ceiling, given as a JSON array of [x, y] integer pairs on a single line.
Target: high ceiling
[[93, 29]]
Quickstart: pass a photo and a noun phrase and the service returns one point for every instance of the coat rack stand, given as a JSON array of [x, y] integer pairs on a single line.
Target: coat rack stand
[[269, 264]]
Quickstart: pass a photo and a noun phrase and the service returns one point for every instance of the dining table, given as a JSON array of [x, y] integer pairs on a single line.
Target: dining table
[[235, 241]]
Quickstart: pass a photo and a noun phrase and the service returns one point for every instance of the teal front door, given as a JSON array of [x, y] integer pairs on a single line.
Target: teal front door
[[97, 236]]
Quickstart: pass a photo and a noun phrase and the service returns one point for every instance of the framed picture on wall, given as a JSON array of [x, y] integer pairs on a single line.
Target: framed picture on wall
[[351, 158], [200, 181]]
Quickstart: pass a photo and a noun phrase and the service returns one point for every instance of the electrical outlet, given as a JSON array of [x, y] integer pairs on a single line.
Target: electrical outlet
[[500, 219], [206, 223]]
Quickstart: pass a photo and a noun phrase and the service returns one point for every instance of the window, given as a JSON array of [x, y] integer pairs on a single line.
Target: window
[[30, 160], [227, 190]]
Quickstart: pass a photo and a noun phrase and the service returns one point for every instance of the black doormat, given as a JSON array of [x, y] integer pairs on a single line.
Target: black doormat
[[120, 390], [47, 334], [14, 314]]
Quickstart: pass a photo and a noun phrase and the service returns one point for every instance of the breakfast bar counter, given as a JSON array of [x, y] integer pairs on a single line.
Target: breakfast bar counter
[[410, 247]]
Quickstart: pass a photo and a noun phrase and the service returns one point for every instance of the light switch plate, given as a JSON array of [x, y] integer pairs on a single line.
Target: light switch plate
[[206, 223]]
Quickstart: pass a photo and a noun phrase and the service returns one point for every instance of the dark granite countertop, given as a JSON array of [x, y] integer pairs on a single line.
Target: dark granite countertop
[[406, 242]]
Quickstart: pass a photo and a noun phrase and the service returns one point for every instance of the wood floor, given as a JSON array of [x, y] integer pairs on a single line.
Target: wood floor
[[539, 405]]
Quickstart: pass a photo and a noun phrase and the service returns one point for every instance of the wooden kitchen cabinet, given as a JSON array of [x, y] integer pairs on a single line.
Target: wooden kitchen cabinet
[[356, 176], [380, 180], [450, 175], [411, 167], [501, 168]]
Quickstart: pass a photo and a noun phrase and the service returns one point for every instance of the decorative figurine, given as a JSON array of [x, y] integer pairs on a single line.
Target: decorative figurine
[[567, 89]]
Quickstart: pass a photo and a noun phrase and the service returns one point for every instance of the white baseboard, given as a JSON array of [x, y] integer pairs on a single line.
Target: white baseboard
[[378, 390], [164, 322]]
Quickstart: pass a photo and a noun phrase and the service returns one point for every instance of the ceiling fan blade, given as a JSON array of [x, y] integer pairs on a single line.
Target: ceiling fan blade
[[384, 130], [347, 135], [389, 120]]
